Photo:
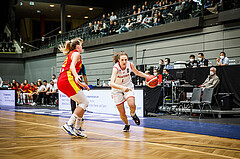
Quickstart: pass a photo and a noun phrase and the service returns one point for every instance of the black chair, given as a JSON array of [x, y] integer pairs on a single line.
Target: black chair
[[206, 100], [196, 96]]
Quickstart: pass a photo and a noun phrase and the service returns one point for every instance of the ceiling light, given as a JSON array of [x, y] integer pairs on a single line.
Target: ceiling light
[[21, 3], [51, 5], [90, 8], [86, 17], [59, 31], [31, 3], [38, 11], [69, 16]]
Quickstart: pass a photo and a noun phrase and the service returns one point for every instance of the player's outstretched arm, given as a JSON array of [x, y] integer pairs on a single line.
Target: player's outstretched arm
[[138, 73], [114, 85]]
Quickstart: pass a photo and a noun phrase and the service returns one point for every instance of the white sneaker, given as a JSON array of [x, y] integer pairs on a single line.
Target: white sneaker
[[33, 104], [69, 130], [80, 133]]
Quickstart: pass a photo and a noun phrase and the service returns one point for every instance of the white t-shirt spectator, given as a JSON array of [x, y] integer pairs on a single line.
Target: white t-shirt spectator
[[41, 88], [53, 88], [113, 17], [46, 87], [54, 80]]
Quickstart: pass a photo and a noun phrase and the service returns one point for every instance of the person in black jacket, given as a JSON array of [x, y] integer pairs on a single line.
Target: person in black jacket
[[192, 62], [166, 75]]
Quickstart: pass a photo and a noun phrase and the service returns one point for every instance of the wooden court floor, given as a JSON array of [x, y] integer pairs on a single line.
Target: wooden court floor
[[24, 135]]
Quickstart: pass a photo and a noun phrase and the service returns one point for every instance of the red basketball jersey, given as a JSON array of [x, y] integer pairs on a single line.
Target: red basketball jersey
[[66, 64]]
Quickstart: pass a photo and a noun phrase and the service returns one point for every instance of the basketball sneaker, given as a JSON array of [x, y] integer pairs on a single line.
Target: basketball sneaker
[[79, 133], [126, 128], [69, 130], [136, 119]]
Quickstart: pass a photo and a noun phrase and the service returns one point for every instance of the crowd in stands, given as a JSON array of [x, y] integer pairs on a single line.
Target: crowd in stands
[[148, 15], [36, 94]]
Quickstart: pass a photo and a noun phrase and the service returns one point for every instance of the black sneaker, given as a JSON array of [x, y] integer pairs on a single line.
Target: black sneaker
[[136, 119], [126, 128]]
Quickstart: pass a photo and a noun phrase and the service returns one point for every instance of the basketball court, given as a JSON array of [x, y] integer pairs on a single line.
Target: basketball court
[[36, 133]]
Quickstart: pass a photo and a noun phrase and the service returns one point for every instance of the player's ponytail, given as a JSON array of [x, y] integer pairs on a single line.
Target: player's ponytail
[[70, 45], [116, 56]]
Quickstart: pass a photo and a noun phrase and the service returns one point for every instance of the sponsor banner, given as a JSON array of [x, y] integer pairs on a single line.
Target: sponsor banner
[[7, 97], [100, 101]]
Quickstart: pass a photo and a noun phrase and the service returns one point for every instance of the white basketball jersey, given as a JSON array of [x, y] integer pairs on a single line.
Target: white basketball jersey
[[123, 76]]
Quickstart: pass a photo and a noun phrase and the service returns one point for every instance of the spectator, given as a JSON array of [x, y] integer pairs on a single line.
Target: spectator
[[104, 18], [178, 10], [161, 66], [139, 16], [134, 17], [104, 29], [96, 27], [223, 60], [115, 27], [167, 64], [37, 96], [192, 62], [155, 19], [52, 93], [133, 9], [113, 17], [156, 72], [54, 78], [212, 80], [108, 17], [146, 5], [160, 18], [166, 75], [1, 82], [202, 62], [187, 9], [90, 29], [33, 89], [111, 28], [143, 11]]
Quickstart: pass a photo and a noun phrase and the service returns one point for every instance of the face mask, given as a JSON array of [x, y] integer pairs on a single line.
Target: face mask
[[211, 73], [155, 74], [200, 59], [164, 74], [165, 63], [221, 57], [191, 60]]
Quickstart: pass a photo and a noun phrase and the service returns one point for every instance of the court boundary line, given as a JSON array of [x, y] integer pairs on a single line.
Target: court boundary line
[[171, 147]]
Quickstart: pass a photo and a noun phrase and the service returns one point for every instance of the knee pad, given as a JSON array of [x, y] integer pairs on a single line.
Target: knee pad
[[81, 100]]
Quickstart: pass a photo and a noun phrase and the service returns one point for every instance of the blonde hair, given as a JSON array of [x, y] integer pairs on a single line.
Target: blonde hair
[[116, 56], [70, 45]]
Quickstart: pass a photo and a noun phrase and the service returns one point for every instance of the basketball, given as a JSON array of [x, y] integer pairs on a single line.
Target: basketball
[[152, 81]]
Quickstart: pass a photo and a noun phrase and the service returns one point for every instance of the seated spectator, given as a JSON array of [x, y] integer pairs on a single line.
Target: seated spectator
[[90, 29], [113, 17], [167, 64], [32, 89], [178, 10], [104, 18], [166, 76], [192, 62], [134, 9], [108, 17], [134, 17], [52, 93], [139, 16], [202, 62], [126, 28], [115, 28], [187, 9], [42, 93], [96, 27], [54, 78], [223, 60], [104, 29], [160, 19], [212, 80], [143, 11], [155, 19], [38, 95]]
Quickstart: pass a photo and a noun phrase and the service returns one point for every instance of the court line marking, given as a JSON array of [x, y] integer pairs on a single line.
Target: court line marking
[[158, 144]]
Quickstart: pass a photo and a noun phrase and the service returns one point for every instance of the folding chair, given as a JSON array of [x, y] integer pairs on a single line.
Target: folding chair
[[196, 96], [206, 100]]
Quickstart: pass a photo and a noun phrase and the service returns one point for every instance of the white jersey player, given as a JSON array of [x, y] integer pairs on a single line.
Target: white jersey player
[[122, 87]]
